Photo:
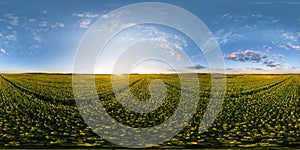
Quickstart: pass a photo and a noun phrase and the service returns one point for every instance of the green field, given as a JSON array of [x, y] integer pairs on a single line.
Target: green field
[[39, 110]]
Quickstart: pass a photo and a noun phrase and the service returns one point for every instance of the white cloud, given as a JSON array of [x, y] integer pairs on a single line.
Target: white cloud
[[127, 25], [37, 37], [115, 15], [43, 24], [117, 26], [172, 44], [233, 16], [288, 40], [31, 20], [244, 18], [32, 30], [226, 15], [9, 37], [174, 53], [284, 47], [3, 51], [275, 20], [256, 15], [267, 48], [114, 19], [12, 19], [33, 47], [86, 15], [85, 19], [12, 37], [289, 36], [296, 47], [57, 25], [85, 23]]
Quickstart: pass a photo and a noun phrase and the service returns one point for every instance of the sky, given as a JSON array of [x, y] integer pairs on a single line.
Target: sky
[[253, 36]]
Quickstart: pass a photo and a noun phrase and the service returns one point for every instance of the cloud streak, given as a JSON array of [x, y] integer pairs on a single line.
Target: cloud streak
[[244, 19]]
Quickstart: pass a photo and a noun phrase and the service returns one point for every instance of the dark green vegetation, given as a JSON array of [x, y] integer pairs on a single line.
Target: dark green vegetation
[[39, 110]]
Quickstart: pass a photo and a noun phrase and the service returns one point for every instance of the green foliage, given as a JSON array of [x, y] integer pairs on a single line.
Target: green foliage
[[38, 110]]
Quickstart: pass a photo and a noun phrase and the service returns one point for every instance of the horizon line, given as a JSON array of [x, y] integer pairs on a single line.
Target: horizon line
[[70, 73]]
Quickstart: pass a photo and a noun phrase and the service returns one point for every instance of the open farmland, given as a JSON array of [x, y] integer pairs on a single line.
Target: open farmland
[[39, 110]]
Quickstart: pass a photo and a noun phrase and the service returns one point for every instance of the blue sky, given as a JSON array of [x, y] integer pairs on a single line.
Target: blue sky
[[255, 37]]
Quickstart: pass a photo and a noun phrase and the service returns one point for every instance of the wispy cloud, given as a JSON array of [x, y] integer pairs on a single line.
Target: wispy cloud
[[11, 37], [11, 19], [84, 23], [34, 47], [119, 26], [290, 36], [85, 19], [223, 37], [256, 15], [57, 25], [275, 20], [86, 15], [172, 44], [254, 68], [289, 41], [278, 3], [226, 15], [239, 17], [116, 14], [255, 18], [43, 24], [114, 20], [37, 38], [30, 29], [233, 16]]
